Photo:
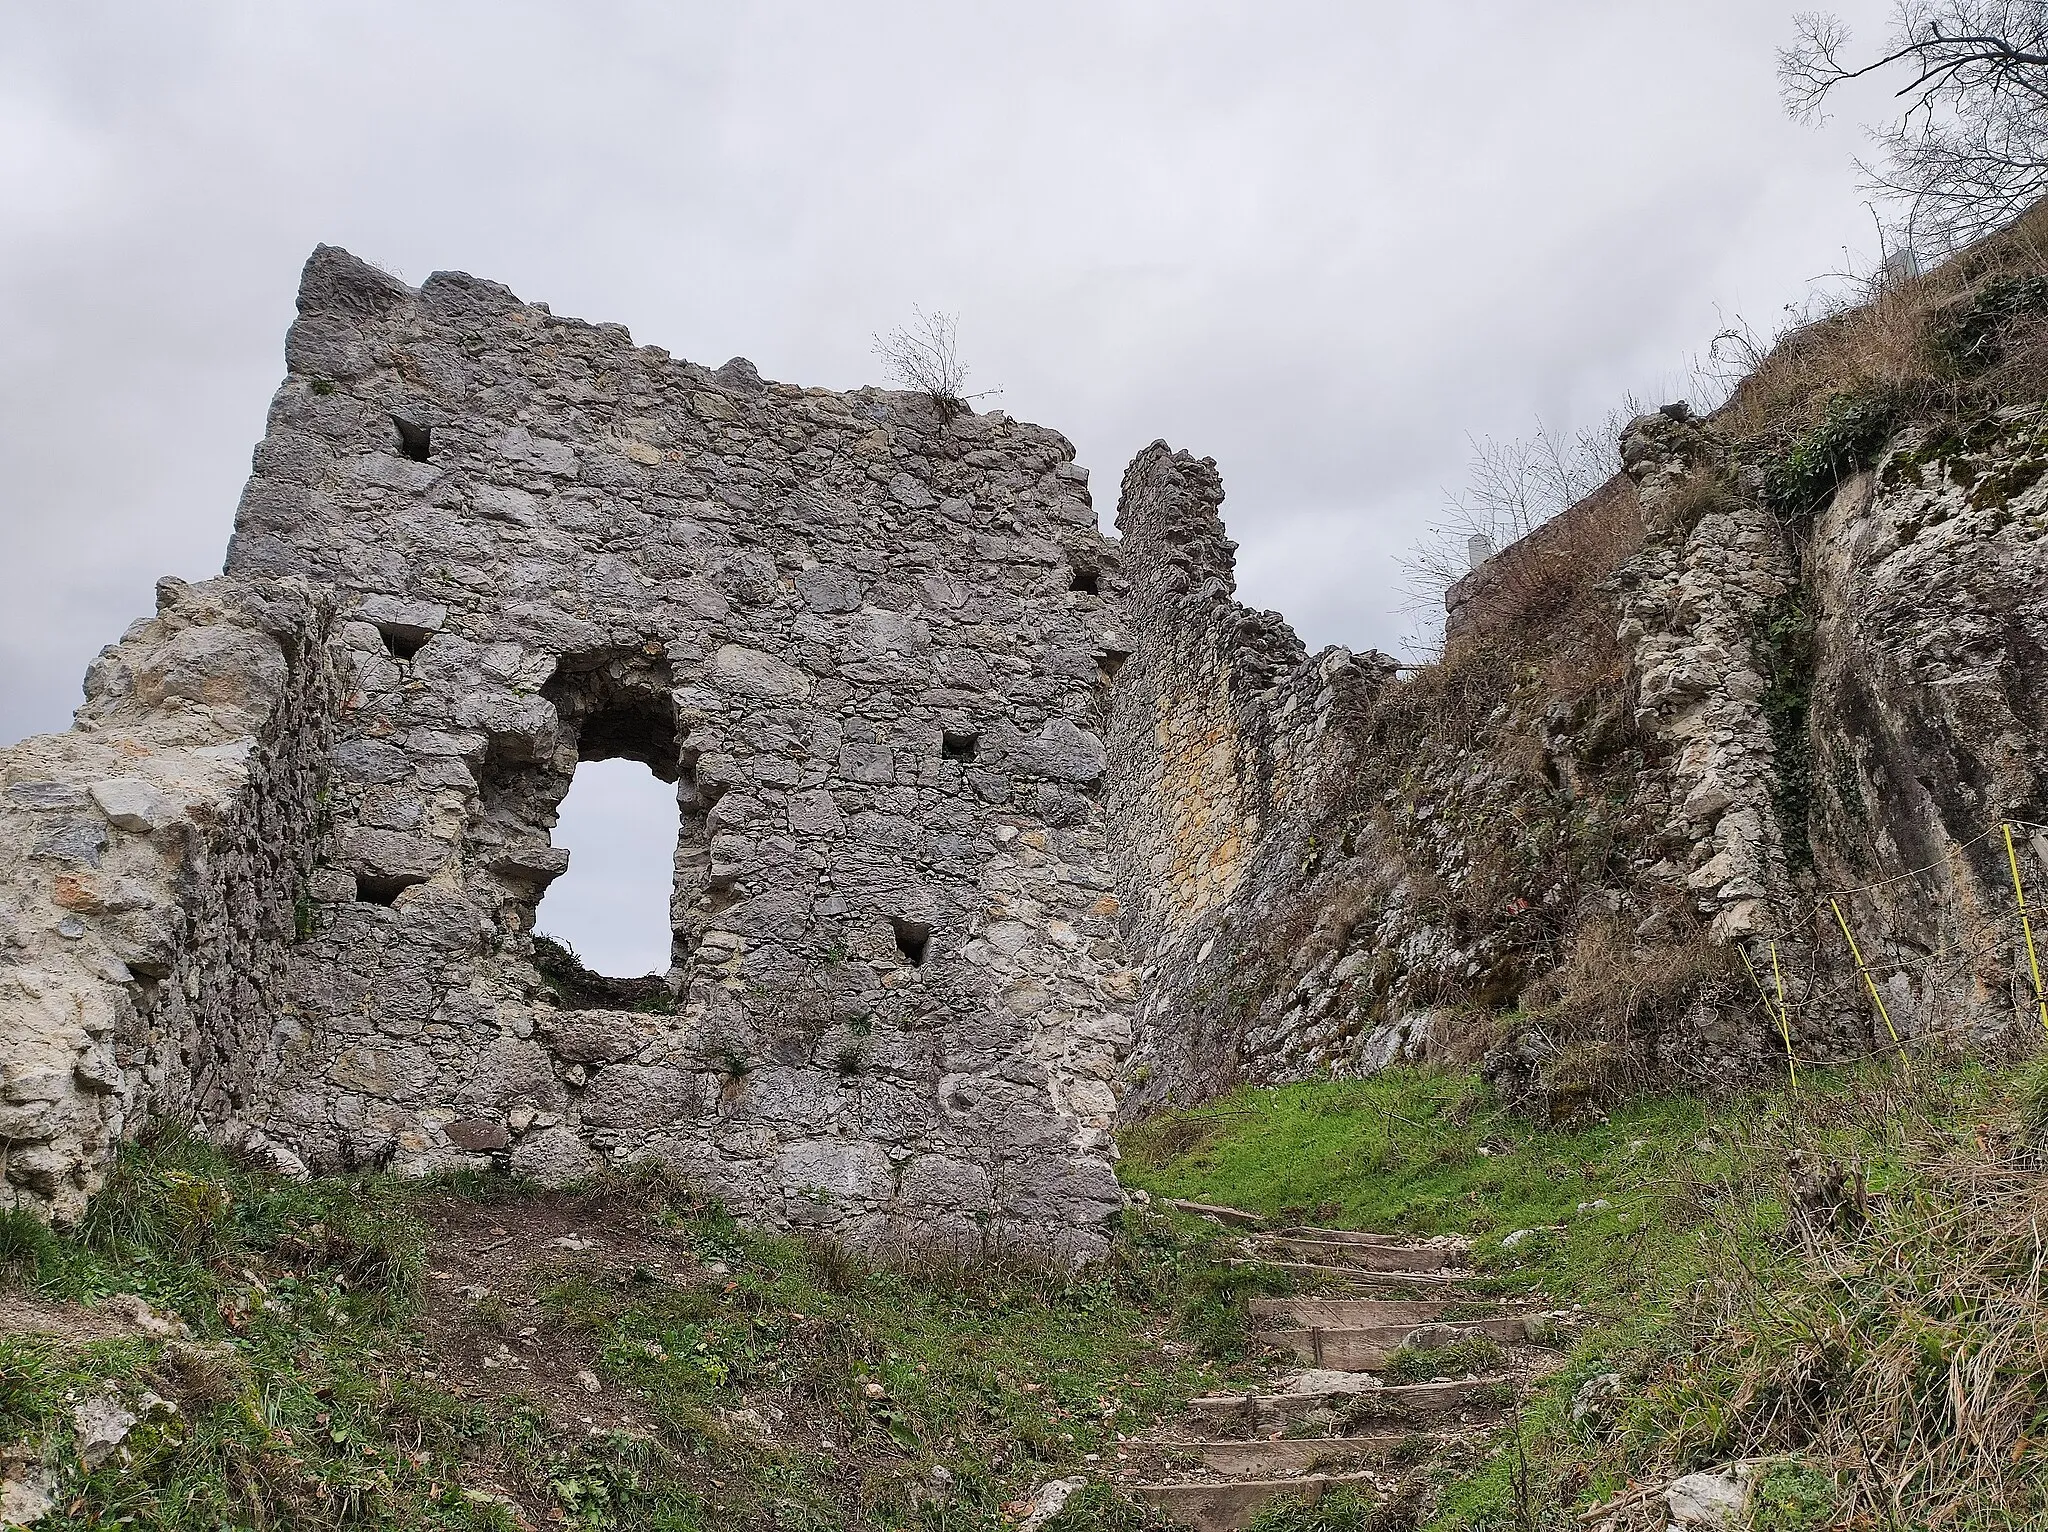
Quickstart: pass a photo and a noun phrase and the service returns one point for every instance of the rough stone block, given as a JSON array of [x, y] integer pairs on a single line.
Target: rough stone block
[[134, 804]]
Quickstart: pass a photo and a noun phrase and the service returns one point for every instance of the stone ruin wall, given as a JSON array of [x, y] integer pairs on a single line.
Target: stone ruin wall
[[992, 831], [1228, 751], [871, 647], [159, 854]]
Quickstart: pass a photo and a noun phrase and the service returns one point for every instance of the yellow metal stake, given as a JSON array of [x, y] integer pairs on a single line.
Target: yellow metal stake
[[1784, 1016], [2020, 893], [1870, 983], [1777, 1015]]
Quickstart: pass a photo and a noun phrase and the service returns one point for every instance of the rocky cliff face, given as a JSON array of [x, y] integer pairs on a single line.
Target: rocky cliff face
[[1682, 747], [1927, 604]]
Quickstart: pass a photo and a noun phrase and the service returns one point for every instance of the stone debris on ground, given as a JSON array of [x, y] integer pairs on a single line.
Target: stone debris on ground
[[1713, 1500], [1046, 1502], [102, 1423], [28, 1493]]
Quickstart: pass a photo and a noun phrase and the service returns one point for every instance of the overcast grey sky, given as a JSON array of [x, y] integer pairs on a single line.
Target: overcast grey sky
[[1324, 243]]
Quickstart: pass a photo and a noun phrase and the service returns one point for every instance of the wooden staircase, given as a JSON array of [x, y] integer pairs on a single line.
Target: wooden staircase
[[1334, 1421]]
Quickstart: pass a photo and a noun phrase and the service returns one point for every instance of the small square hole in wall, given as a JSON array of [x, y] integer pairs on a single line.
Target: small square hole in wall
[[414, 440], [959, 744], [1088, 581], [372, 888], [404, 642], [913, 939]]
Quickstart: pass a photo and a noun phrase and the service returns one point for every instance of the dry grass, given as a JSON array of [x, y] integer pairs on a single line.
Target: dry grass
[[1531, 588], [1894, 344], [1898, 1337], [1595, 1011]]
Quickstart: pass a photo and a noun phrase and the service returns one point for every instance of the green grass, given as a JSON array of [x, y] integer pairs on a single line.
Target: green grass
[[1736, 1320], [309, 1397], [1423, 1153], [1476, 1354], [800, 1390]]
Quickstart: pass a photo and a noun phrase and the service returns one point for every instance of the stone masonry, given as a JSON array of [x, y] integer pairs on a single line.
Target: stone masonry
[[1228, 752], [868, 642], [159, 854], [993, 831]]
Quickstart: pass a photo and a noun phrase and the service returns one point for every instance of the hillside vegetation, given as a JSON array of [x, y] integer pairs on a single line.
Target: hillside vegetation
[[1844, 1283], [369, 1352]]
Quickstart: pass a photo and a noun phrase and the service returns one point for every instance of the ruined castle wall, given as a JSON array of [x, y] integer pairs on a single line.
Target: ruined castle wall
[[991, 830], [869, 643], [156, 881], [1227, 755]]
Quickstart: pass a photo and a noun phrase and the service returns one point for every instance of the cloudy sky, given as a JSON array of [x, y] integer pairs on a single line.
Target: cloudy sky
[[1327, 244]]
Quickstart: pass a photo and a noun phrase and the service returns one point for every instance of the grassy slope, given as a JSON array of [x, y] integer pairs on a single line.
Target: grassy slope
[[313, 1395], [327, 1385], [1864, 1341]]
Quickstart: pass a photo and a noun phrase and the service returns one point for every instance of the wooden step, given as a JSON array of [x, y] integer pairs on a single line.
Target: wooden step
[[1357, 1276], [1225, 1506], [1366, 1256], [1369, 1237], [1235, 1217], [1359, 1313], [1259, 1458], [1260, 1414], [1370, 1348]]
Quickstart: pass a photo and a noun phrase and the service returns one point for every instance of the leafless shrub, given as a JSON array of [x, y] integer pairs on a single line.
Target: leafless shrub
[[1610, 994], [1511, 488], [1526, 589], [924, 357]]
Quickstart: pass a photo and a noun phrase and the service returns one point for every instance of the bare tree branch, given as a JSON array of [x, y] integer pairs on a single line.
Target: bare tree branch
[[1511, 488], [1968, 149]]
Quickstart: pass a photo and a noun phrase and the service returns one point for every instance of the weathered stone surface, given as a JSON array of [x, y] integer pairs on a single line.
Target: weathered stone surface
[[164, 987], [1309, 862], [555, 1157], [478, 1135], [133, 803], [991, 829], [567, 548], [1224, 766]]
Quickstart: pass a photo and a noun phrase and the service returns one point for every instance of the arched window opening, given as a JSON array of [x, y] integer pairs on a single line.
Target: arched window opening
[[610, 910]]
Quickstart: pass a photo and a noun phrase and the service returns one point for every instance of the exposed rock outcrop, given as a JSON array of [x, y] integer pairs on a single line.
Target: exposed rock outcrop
[[1676, 735]]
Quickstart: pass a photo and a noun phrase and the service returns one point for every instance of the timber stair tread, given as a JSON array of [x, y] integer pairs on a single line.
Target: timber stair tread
[[1356, 1276], [1286, 1456], [1369, 1348], [1331, 1422], [1365, 1255], [1214, 1505], [1216, 1213], [1372, 1313]]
